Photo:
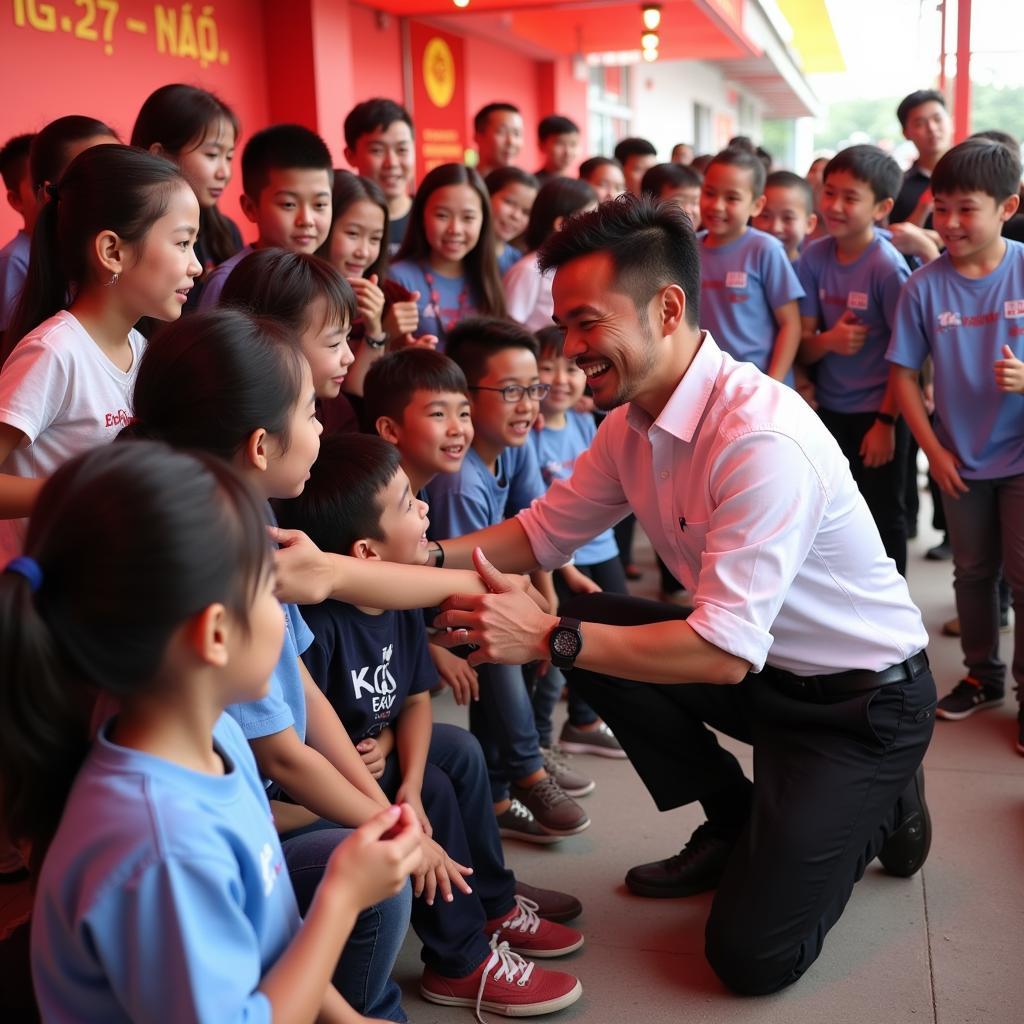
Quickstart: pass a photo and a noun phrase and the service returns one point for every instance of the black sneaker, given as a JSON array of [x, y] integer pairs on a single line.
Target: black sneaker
[[942, 552], [968, 696], [907, 847], [696, 868]]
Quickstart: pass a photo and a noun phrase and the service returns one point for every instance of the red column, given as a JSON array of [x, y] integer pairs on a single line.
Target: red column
[[962, 95]]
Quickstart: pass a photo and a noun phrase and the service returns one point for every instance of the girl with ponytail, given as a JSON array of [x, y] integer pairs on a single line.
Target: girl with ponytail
[[112, 245], [147, 579]]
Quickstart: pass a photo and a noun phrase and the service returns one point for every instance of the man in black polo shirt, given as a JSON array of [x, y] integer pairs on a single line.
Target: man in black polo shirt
[[926, 123]]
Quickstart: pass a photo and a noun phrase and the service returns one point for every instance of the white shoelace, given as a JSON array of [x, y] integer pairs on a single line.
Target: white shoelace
[[509, 965], [520, 810], [525, 918]]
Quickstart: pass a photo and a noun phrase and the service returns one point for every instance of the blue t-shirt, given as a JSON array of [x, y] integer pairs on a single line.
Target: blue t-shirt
[[557, 451], [508, 258], [963, 324], [164, 895], [475, 497], [214, 284], [367, 664], [13, 271], [285, 702], [741, 284], [443, 301], [869, 287]]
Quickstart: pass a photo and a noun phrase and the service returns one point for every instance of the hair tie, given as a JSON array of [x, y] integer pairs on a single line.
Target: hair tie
[[27, 567], [52, 190]]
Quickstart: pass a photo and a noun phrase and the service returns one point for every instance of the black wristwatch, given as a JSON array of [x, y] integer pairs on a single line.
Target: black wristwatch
[[376, 343], [565, 643]]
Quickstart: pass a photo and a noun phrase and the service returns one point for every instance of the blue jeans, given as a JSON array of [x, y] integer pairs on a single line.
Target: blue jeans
[[502, 720], [457, 799], [985, 533], [363, 974]]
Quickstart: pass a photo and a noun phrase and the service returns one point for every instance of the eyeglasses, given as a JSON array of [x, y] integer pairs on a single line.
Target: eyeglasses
[[515, 392]]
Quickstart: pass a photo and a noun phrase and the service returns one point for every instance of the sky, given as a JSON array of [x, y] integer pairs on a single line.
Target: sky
[[891, 46]]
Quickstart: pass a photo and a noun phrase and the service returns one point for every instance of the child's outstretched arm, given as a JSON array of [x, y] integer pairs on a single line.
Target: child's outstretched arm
[[368, 867], [787, 340]]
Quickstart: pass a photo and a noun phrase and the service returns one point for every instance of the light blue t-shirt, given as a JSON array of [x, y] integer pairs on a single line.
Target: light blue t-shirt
[[870, 288], [164, 895], [557, 451], [963, 324], [443, 301], [741, 284], [13, 271], [214, 284], [475, 497], [285, 702], [508, 258]]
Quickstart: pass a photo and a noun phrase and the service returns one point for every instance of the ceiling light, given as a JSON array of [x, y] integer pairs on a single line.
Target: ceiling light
[[652, 17]]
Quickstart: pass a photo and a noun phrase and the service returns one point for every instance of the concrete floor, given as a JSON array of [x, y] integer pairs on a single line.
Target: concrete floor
[[941, 947]]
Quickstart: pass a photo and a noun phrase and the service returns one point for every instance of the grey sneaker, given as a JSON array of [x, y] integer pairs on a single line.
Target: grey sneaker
[[554, 810], [600, 741], [518, 823], [557, 766]]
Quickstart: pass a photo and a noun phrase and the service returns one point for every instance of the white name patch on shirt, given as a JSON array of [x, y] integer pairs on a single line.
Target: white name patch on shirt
[[857, 300], [1013, 308], [736, 279]]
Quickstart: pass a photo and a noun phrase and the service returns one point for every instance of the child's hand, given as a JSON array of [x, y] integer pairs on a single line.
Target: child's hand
[[373, 757], [402, 318], [878, 445], [370, 303], [1010, 372], [302, 575], [585, 404], [374, 862], [411, 795], [456, 673], [944, 466], [848, 336], [911, 240], [578, 582], [438, 871]]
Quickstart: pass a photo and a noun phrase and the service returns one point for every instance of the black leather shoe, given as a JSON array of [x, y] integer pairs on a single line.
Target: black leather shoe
[[696, 868], [907, 847]]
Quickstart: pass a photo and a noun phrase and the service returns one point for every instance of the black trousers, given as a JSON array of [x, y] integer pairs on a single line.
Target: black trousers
[[827, 775]]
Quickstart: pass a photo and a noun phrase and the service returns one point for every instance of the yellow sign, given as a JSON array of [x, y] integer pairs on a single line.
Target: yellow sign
[[439, 72]]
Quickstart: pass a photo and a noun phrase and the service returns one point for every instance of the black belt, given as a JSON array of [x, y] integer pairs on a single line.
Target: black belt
[[855, 681]]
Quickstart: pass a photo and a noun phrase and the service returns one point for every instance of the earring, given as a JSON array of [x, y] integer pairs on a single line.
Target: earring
[[113, 279]]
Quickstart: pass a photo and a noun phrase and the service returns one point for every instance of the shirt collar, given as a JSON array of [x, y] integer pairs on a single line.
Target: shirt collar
[[686, 405]]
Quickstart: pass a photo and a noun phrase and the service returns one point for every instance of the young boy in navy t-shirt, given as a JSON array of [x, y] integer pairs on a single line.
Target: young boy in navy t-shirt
[[966, 311], [373, 666], [748, 289], [852, 281]]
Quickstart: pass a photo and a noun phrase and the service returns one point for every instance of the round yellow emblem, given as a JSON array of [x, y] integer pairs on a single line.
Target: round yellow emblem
[[439, 72]]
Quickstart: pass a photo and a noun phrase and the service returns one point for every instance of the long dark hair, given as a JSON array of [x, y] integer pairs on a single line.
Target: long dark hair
[[481, 263], [208, 381], [106, 188], [48, 158], [352, 188], [179, 118], [559, 197], [131, 540]]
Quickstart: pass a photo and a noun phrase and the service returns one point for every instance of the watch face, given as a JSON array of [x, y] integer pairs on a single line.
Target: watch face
[[566, 643]]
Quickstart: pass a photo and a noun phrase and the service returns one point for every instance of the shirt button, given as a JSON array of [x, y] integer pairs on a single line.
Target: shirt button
[[664, 474]]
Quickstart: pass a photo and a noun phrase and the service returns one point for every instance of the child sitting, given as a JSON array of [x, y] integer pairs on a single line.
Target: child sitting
[[373, 666]]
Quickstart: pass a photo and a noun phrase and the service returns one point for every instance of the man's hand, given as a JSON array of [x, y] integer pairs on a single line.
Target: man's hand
[[878, 445], [505, 626], [1010, 372], [302, 577]]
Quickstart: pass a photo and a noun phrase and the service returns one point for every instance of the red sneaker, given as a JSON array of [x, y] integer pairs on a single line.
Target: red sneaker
[[505, 984], [532, 935]]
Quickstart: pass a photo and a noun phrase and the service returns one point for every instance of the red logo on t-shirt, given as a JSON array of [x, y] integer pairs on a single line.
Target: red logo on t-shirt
[[121, 418]]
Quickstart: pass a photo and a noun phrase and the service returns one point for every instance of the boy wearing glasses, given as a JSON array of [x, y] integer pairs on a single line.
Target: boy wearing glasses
[[499, 476]]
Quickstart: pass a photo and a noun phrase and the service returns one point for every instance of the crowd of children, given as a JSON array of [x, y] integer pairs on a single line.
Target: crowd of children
[[378, 369]]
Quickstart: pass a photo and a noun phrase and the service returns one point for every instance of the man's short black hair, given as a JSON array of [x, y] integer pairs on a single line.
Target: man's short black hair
[[651, 244], [555, 124], [392, 380], [341, 502], [283, 147], [787, 179], [14, 160], [978, 165], [378, 114], [473, 341], [746, 160], [870, 165], [633, 146], [662, 176], [484, 113], [916, 99]]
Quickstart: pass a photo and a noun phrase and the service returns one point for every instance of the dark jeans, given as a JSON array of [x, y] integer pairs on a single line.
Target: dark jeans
[[985, 533], [883, 487], [624, 538], [363, 974], [457, 798], [827, 776]]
